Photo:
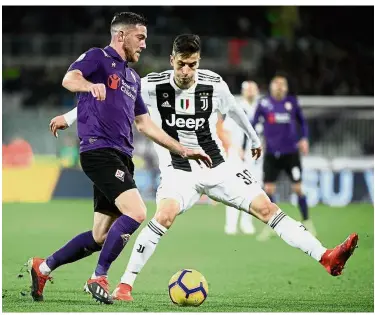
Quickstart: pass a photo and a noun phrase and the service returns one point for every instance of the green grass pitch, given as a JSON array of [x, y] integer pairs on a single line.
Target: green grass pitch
[[243, 274]]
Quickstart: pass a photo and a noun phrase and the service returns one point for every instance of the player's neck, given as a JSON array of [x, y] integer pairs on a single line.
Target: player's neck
[[250, 100], [184, 87], [119, 50]]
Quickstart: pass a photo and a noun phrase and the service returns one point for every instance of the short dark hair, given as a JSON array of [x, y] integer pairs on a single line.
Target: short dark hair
[[128, 18], [186, 44], [280, 74]]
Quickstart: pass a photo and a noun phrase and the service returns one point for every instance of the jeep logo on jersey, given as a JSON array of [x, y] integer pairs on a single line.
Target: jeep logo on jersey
[[189, 123]]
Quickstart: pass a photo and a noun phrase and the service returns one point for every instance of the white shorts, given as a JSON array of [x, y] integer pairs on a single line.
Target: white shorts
[[255, 166], [230, 183]]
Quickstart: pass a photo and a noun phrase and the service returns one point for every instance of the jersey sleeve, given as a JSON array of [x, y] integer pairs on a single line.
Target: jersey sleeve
[[258, 113], [227, 100], [87, 63], [148, 93]]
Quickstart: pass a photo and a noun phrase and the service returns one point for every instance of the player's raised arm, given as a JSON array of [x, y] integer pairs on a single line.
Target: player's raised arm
[[76, 79], [146, 126], [229, 106]]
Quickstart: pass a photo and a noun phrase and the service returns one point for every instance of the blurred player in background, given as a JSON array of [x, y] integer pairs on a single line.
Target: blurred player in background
[[282, 117], [235, 143], [109, 102]]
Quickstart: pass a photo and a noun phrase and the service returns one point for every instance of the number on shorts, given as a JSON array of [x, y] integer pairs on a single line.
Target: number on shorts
[[246, 176]]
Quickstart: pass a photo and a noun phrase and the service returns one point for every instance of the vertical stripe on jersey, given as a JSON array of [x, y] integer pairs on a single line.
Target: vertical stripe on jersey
[[203, 109], [165, 94]]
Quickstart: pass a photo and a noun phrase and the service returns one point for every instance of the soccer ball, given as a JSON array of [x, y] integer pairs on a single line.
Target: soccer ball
[[188, 287]]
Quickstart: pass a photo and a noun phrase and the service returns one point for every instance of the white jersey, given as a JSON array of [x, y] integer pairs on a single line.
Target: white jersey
[[188, 115]]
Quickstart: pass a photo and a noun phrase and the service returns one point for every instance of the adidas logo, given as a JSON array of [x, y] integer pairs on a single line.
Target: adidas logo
[[166, 104]]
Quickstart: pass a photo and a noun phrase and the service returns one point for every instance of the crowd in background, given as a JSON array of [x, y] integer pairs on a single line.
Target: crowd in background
[[320, 52]]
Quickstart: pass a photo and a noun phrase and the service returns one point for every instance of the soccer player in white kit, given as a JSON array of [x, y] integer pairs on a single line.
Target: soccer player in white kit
[[186, 101], [236, 145]]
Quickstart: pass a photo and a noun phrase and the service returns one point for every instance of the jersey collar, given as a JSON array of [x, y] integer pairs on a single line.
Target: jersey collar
[[113, 53]]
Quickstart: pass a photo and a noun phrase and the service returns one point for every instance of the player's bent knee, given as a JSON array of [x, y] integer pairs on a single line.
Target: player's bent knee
[[167, 212], [99, 237], [263, 208], [131, 204]]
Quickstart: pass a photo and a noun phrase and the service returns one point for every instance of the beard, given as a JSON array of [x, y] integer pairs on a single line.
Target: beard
[[129, 55]]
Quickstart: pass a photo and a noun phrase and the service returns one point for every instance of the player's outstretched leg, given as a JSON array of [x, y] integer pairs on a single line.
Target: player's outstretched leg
[[145, 245], [134, 213], [267, 232], [295, 234], [79, 247], [303, 208]]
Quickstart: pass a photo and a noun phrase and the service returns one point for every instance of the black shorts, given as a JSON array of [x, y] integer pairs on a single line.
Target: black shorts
[[290, 163], [112, 173]]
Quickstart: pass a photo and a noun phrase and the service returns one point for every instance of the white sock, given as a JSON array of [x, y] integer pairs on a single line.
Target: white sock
[[94, 276], [231, 218], [296, 235], [144, 247], [246, 219], [44, 269]]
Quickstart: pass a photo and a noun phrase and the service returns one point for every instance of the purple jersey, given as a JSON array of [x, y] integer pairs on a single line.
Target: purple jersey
[[280, 124], [108, 123]]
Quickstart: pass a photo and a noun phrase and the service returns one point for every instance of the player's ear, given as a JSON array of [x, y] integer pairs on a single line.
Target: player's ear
[[171, 60], [121, 36]]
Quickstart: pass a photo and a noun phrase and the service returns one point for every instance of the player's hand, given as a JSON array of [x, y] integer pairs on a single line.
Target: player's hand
[[98, 91], [199, 155], [303, 146], [256, 153], [58, 123]]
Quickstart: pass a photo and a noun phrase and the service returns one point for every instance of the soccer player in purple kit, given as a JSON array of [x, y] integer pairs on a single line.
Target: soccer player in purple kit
[[281, 114], [109, 101]]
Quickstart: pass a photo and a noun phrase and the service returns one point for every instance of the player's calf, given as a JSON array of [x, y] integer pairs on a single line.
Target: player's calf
[[291, 231]]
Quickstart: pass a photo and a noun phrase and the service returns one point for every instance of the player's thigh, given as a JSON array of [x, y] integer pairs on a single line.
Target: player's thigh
[[292, 167], [111, 174], [271, 169], [233, 185], [180, 186]]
